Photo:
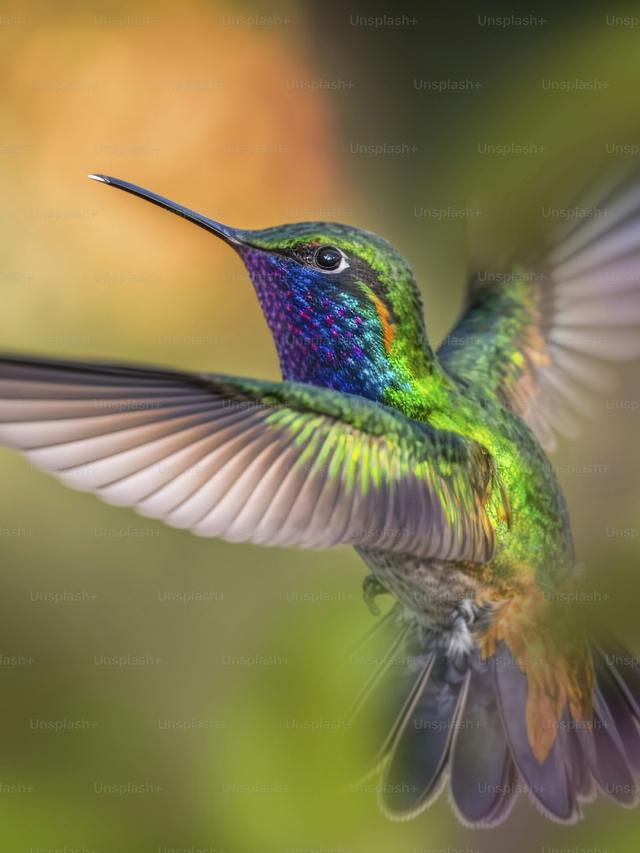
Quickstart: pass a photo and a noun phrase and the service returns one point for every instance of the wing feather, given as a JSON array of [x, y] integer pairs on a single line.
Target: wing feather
[[537, 341], [266, 462]]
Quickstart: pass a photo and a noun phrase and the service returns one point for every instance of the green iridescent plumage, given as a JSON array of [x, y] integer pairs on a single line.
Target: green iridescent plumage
[[426, 389], [431, 465]]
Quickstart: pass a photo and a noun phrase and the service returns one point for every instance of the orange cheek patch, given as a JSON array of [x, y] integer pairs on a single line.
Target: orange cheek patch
[[387, 325], [388, 328]]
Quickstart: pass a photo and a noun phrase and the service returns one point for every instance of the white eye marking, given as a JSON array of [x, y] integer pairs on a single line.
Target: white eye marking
[[344, 265], [330, 259]]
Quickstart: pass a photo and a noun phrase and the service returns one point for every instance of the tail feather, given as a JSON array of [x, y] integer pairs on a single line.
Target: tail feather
[[548, 783], [482, 773], [620, 713], [581, 779], [506, 802], [624, 668], [605, 754], [381, 705], [422, 745], [442, 713]]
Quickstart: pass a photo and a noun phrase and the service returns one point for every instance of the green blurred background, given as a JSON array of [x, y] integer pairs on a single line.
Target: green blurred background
[[162, 692]]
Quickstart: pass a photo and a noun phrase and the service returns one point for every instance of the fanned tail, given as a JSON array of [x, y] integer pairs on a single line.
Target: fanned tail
[[443, 717]]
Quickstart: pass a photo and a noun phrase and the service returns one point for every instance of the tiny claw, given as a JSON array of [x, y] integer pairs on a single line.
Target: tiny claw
[[371, 589]]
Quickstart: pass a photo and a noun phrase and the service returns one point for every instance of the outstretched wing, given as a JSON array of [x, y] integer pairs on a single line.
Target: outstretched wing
[[268, 462], [537, 337]]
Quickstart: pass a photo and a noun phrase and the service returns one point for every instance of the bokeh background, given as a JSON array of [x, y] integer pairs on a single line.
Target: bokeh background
[[162, 692]]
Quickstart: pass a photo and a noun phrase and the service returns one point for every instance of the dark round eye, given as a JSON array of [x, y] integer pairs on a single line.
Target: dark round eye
[[328, 257]]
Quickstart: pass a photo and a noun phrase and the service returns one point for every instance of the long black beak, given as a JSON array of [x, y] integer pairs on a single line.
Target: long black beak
[[229, 235]]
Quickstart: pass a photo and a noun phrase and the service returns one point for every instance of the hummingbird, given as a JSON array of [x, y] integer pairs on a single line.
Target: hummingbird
[[433, 465]]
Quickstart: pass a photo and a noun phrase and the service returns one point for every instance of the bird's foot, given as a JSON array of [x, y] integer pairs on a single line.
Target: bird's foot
[[371, 589], [461, 643], [465, 611]]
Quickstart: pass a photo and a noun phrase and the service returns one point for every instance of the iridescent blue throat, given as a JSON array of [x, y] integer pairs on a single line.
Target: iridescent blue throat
[[323, 334]]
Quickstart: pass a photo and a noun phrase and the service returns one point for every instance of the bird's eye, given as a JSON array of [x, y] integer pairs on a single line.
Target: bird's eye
[[328, 257]]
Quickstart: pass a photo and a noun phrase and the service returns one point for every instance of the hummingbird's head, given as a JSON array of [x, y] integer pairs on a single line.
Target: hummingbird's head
[[341, 303]]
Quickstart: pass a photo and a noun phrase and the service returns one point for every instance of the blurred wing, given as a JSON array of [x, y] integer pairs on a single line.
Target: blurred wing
[[268, 462], [537, 338]]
